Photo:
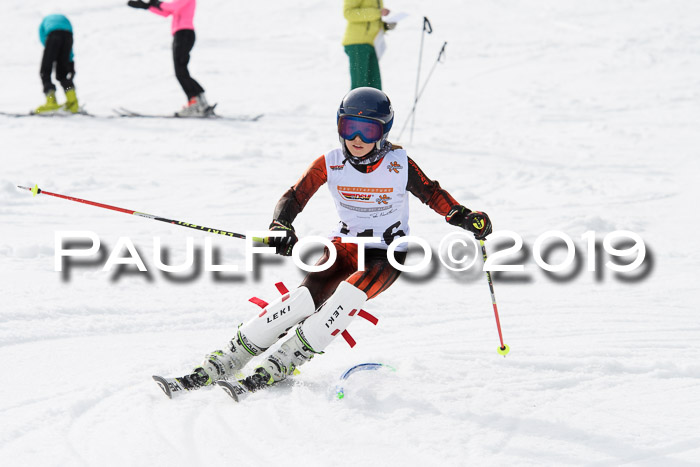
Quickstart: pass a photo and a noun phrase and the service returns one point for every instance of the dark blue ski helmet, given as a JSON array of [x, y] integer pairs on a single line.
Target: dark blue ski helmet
[[369, 103]]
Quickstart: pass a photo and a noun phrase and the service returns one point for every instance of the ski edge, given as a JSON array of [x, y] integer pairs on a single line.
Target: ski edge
[[169, 386], [31, 113], [234, 389], [126, 113]]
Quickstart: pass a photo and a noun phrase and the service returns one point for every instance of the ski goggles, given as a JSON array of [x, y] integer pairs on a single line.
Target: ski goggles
[[370, 131]]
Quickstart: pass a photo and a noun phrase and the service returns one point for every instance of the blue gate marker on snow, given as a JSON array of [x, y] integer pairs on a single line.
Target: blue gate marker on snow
[[339, 391]]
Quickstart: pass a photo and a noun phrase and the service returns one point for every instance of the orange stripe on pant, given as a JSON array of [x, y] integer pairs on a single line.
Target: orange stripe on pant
[[376, 278]]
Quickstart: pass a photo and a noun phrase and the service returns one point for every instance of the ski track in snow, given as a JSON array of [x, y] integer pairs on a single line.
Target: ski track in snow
[[548, 115]]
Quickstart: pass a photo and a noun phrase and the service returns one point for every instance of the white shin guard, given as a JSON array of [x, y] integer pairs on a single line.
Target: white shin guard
[[314, 334], [277, 318], [333, 318]]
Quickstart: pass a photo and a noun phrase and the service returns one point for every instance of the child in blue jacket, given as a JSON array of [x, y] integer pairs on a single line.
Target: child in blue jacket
[[56, 34]]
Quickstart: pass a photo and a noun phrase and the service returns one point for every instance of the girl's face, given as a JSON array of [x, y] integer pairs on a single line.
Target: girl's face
[[357, 147]]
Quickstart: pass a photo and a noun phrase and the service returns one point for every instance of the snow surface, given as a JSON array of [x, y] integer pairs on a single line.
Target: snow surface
[[548, 114]]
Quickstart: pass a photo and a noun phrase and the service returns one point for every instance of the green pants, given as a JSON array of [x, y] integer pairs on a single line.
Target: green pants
[[364, 66]]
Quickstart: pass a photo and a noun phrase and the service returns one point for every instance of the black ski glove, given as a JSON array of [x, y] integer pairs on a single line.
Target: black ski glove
[[476, 222], [283, 245], [138, 4], [143, 5]]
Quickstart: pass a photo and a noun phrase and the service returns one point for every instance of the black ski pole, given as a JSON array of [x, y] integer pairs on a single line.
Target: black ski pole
[[427, 27], [411, 113]]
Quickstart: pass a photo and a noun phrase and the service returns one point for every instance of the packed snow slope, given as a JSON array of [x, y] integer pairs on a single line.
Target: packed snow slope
[[550, 115]]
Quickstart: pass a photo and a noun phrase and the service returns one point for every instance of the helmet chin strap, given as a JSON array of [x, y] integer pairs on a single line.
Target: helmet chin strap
[[380, 149]]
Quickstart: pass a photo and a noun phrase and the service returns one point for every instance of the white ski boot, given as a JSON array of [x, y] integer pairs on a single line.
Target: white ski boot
[[196, 107], [221, 364]]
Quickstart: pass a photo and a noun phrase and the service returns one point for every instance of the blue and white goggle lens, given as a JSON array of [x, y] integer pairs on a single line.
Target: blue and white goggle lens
[[370, 131]]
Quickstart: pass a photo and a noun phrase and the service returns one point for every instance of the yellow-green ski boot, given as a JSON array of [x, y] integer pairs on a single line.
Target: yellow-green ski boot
[[51, 104], [71, 104]]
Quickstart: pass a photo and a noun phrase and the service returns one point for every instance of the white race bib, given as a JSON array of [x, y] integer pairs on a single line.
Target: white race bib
[[371, 204]]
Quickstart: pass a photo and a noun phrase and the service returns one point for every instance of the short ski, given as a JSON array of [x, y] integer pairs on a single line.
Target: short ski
[[122, 112], [237, 389], [210, 115], [58, 114], [175, 387]]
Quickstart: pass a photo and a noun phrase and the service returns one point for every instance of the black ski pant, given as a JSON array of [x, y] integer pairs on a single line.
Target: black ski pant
[[183, 41], [57, 51]]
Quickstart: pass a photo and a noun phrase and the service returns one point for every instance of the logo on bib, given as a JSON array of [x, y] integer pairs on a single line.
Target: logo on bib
[[365, 198], [383, 199], [394, 167], [363, 194]]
